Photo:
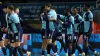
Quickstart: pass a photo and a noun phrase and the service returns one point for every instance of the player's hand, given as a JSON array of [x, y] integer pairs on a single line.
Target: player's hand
[[42, 14], [5, 30]]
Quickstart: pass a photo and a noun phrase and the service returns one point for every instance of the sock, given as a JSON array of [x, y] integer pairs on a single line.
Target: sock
[[24, 50], [48, 48], [54, 47], [15, 51], [79, 49], [11, 51], [73, 47], [65, 48], [4, 50], [91, 48], [20, 50], [8, 46], [43, 52], [86, 50]]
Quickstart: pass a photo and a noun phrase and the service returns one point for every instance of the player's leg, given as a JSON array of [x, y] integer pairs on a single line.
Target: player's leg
[[50, 44], [66, 43], [85, 43], [44, 43], [12, 45], [2, 45], [90, 47], [70, 38], [75, 41], [18, 42], [54, 38], [7, 43]]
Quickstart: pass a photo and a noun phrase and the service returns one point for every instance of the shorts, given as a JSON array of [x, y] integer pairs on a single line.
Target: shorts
[[59, 34], [43, 32], [10, 37], [1, 34], [18, 37], [68, 38]]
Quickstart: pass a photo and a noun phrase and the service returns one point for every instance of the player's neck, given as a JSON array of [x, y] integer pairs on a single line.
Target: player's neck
[[88, 10], [11, 12], [68, 14], [76, 14]]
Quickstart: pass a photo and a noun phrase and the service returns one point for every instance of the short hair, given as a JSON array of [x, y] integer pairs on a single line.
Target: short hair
[[87, 5], [68, 9], [5, 6], [75, 8], [11, 7], [16, 8], [49, 5], [42, 9]]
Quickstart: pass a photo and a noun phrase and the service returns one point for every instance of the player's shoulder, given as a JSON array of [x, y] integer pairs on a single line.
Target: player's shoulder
[[71, 16], [79, 16], [13, 15]]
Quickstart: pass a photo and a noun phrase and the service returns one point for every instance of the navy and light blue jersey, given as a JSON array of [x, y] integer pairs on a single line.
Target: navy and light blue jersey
[[87, 16], [77, 20], [60, 27], [69, 20], [43, 23], [14, 23], [52, 14]]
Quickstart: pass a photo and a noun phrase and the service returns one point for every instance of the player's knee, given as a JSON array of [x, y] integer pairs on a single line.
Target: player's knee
[[17, 44], [54, 43], [49, 41], [6, 42]]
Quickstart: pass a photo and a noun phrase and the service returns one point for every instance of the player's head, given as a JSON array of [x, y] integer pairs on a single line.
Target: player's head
[[67, 11], [47, 7], [10, 8], [5, 9], [42, 9], [16, 10], [86, 7], [75, 10]]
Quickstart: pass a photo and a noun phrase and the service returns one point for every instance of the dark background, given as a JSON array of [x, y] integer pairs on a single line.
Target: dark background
[[26, 1]]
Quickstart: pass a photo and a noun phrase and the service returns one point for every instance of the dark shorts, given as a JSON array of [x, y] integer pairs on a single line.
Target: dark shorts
[[59, 34], [43, 32], [1, 35], [68, 38], [18, 37]]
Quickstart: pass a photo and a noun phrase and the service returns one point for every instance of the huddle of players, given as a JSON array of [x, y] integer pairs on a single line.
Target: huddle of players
[[73, 25], [13, 31]]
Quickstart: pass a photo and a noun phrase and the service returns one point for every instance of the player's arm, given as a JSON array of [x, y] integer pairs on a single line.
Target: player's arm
[[72, 22], [60, 18], [91, 19]]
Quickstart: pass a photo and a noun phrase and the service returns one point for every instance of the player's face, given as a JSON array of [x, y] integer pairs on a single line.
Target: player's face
[[8, 10], [47, 8], [5, 10], [17, 11], [74, 11], [85, 8]]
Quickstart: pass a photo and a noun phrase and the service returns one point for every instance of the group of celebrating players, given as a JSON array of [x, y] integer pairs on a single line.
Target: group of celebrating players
[[72, 25], [12, 30], [53, 26]]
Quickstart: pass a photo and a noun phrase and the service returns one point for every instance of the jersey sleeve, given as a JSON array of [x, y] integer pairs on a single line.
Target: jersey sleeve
[[52, 14], [90, 16], [62, 17], [80, 18], [72, 19]]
